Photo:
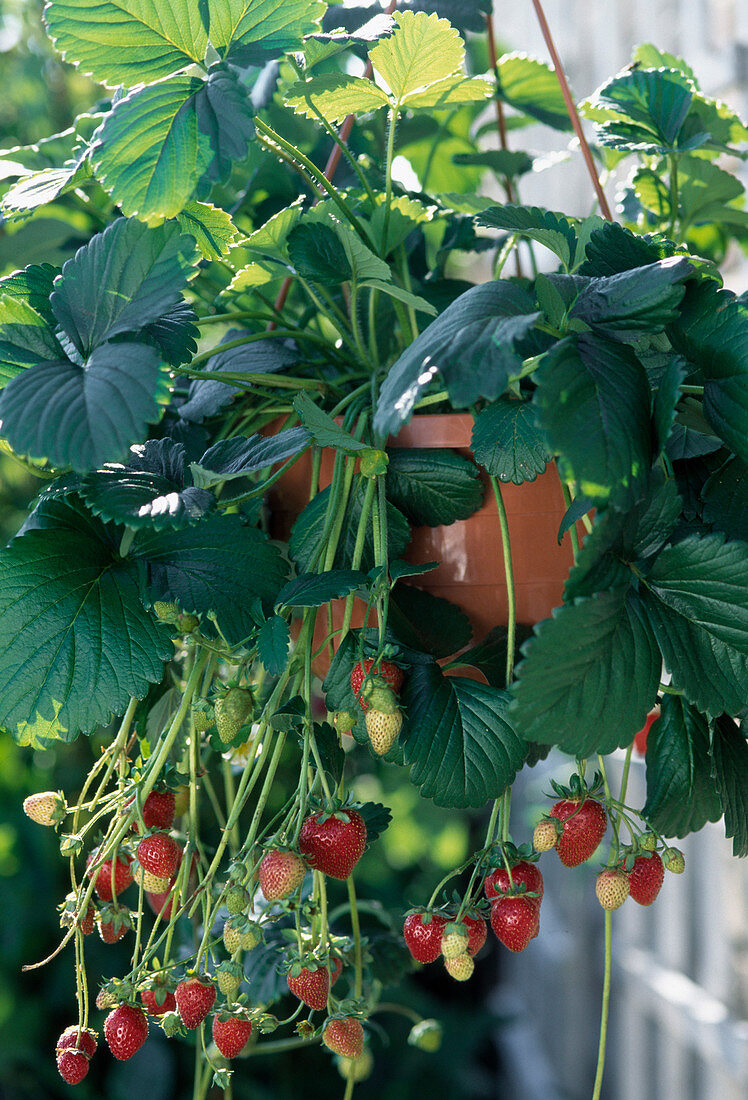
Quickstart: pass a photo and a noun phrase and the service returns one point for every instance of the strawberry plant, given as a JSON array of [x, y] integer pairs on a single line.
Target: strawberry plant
[[221, 568]]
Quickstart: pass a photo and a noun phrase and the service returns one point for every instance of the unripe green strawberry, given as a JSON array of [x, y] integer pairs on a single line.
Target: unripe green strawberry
[[383, 729], [380, 697], [171, 1024], [203, 715], [232, 711], [166, 611], [229, 976], [545, 835], [239, 933], [45, 808], [648, 842], [186, 624], [105, 999], [358, 1069], [674, 860], [612, 888], [454, 941], [461, 967], [344, 721], [237, 899], [426, 1035]]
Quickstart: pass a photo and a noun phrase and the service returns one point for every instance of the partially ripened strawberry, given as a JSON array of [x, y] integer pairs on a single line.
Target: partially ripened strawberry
[[389, 673], [152, 884], [194, 1001], [281, 873], [383, 729], [73, 1051], [159, 853], [232, 711], [158, 1000], [423, 935], [460, 967], [311, 985], [477, 931], [158, 811], [231, 1033], [545, 835], [240, 933], [524, 874], [454, 940], [113, 922], [674, 860], [612, 888], [333, 844], [237, 899], [103, 880], [584, 824], [345, 1036], [45, 808], [645, 878], [125, 1030], [515, 920]]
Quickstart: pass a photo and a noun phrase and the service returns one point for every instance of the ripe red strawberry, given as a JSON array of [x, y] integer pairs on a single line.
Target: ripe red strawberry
[[103, 881], [584, 828], [335, 966], [231, 1034], [281, 874], [311, 986], [515, 920], [194, 1001], [344, 1036], [524, 874], [477, 932], [125, 1030], [640, 739], [383, 729], [73, 1051], [72, 1066], [612, 888], [158, 1000], [391, 674], [159, 853], [158, 811], [82, 1039], [45, 808], [335, 845], [424, 938], [645, 878]]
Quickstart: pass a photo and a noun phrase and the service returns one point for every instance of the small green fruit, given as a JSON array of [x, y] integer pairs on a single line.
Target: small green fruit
[[426, 1035]]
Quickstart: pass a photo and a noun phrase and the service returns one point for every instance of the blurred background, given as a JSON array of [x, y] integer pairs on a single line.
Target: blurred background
[[525, 1026]]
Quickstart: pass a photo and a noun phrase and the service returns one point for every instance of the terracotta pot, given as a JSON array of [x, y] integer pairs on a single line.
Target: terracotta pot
[[471, 573]]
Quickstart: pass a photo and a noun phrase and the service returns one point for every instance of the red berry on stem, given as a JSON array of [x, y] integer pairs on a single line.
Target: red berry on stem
[[645, 878], [103, 880], [194, 1001], [158, 811], [281, 874], [311, 986], [344, 1037], [125, 1030], [524, 874], [515, 920], [333, 846], [231, 1034], [154, 1007], [391, 674], [584, 825], [423, 937], [477, 932], [159, 853]]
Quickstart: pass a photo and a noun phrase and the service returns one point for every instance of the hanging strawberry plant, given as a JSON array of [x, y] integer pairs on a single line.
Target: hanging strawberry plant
[[273, 197]]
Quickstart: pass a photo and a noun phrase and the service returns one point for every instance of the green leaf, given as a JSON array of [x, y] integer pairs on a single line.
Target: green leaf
[[149, 491], [83, 416], [207, 396], [316, 589], [212, 228], [25, 337], [543, 226], [507, 442], [632, 302], [725, 497], [681, 795], [334, 96], [449, 93], [124, 279], [503, 162], [323, 427], [43, 187], [405, 215], [730, 760], [422, 50], [712, 332], [613, 248], [665, 402], [710, 673], [219, 565], [255, 31], [75, 640], [317, 253], [402, 295], [307, 532], [400, 569], [376, 818], [271, 237], [426, 622], [489, 656], [363, 263], [223, 108], [433, 487], [570, 690], [330, 750], [593, 404], [643, 110], [32, 286], [459, 742], [239, 456], [531, 87], [150, 153], [471, 344], [272, 644], [127, 41]]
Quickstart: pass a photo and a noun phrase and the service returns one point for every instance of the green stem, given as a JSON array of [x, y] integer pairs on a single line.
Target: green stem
[[358, 551], [356, 927], [391, 128], [569, 500], [509, 574], [673, 162], [605, 1007]]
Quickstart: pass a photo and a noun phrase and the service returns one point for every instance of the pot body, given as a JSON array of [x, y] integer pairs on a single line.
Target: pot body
[[471, 570]]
